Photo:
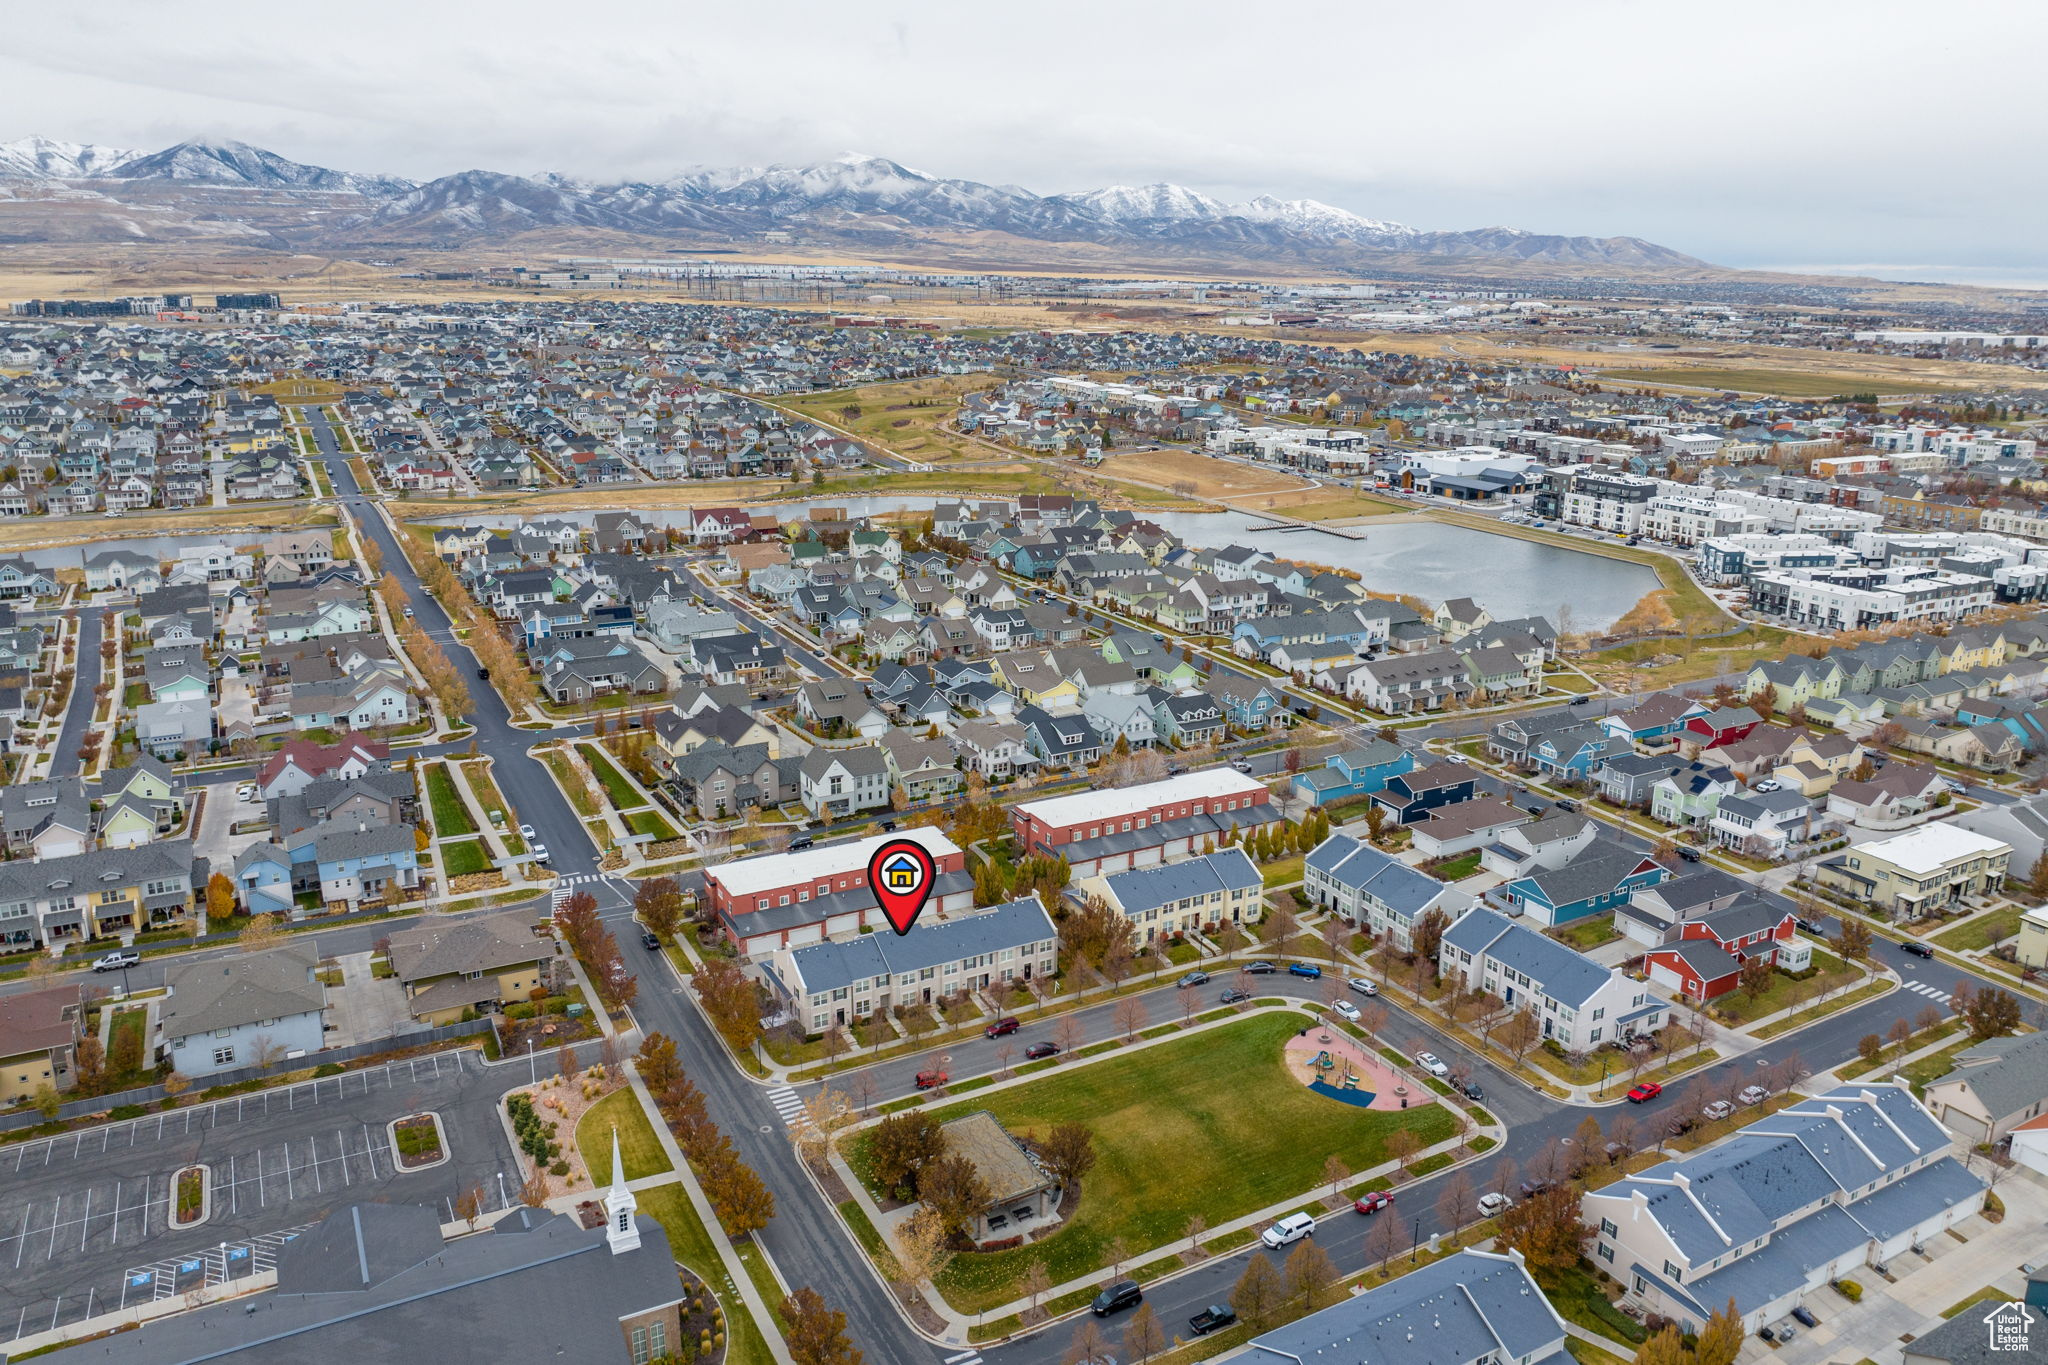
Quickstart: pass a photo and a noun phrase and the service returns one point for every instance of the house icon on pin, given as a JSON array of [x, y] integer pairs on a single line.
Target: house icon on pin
[[901, 873]]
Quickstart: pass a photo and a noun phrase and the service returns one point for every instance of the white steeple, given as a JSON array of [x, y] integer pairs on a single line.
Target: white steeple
[[620, 1232]]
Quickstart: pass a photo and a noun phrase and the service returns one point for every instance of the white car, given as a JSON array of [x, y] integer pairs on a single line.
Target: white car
[[1433, 1064], [1719, 1109], [1753, 1094], [1362, 986], [538, 853], [115, 961], [1457, 758], [246, 792], [1346, 1009], [1491, 1204], [1292, 1228], [526, 833]]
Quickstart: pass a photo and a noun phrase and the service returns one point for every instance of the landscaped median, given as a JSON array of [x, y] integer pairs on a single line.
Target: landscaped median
[[1214, 1125]]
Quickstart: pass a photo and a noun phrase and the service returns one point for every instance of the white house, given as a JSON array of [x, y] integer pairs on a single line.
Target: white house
[[1578, 1002], [242, 1011]]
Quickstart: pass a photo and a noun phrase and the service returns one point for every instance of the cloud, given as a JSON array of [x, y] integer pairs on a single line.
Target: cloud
[[1759, 131]]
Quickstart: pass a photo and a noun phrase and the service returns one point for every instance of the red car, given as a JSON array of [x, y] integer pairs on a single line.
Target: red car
[[1372, 1202], [931, 1080], [1001, 1027], [1648, 1090]]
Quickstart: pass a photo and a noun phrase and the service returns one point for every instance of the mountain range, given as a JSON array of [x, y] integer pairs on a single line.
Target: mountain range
[[66, 191]]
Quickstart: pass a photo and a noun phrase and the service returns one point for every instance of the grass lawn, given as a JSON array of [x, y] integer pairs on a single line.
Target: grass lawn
[[461, 859], [1981, 932], [650, 822], [1933, 1066], [1173, 1137], [1866, 991], [616, 786], [571, 785], [450, 815], [1588, 933], [638, 1146], [1737, 1006], [1988, 1294], [126, 1037], [1849, 1071], [1580, 1301], [690, 1243], [1282, 873]]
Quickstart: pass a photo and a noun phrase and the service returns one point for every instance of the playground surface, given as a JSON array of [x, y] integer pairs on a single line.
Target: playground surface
[[1345, 1064]]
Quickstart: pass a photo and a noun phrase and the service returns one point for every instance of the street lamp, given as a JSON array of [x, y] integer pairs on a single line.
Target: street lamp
[[1414, 1240], [1605, 1062]]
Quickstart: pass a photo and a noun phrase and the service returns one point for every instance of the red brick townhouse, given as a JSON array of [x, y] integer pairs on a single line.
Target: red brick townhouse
[[1125, 827], [784, 900], [1705, 957]]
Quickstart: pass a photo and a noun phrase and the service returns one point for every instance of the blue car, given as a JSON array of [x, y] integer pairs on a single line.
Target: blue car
[[1304, 969]]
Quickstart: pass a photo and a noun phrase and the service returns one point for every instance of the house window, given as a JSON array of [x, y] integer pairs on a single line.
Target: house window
[[1673, 1273], [641, 1354], [1607, 1228], [1606, 1252], [223, 1056]]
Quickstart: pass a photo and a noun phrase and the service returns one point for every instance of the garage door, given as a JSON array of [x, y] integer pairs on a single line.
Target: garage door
[[1965, 1125], [1666, 977], [809, 933]]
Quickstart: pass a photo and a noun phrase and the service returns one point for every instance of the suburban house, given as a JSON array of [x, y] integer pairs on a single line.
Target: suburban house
[[1703, 956], [447, 970], [1353, 772], [1375, 890], [1467, 827], [38, 1035], [1600, 878], [1413, 795], [1577, 1001], [1926, 869], [838, 782], [1217, 888], [833, 983], [1715, 729], [251, 1010], [1653, 723], [1995, 1086], [1811, 1194], [1900, 795], [2021, 825], [300, 762]]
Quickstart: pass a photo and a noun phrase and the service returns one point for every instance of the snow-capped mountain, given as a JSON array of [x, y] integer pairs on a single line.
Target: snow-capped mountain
[[855, 198], [238, 163], [42, 158]]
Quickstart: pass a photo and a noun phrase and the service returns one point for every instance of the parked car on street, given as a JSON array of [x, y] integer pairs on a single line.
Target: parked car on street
[[1307, 969], [1117, 1297], [1491, 1204], [1433, 1064], [1917, 949], [1259, 968], [1234, 995], [1372, 1201], [1038, 1050], [1347, 1009], [1719, 1109], [1194, 979], [1214, 1318], [1292, 1228], [115, 961], [1648, 1090], [650, 941], [1362, 986], [931, 1080], [1473, 1092], [1752, 1094], [1001, 1027]]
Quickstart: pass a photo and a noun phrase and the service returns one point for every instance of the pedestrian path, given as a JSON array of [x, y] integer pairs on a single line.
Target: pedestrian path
[[1931, 992], [965, 1358], [788, 1104]]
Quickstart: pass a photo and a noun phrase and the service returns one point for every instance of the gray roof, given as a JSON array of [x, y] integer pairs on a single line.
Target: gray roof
[[1598, 869], [1562, 973], [1148, 888], [930, 943], [236, 991], [1359, 866], [1468, 1306], [1964, 1339], [538, 1286], [2006, 1074], [494, 942]]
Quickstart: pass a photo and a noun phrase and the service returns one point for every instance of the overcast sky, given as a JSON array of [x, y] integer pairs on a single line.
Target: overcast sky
[[1791, 132]]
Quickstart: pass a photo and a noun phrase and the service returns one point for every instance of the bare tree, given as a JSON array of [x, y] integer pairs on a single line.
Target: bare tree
[[1454, 1204], [1066, 1034], [1383, 1242], [1196, 1226], [1190, 1001], [1130, 1016]]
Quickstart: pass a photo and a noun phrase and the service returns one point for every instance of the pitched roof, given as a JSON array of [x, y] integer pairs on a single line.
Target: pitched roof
[[495, 941], [234, 992]]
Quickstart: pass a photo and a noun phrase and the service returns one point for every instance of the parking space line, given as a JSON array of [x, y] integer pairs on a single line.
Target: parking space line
[[313, 1145], [21, 1242], [85, 1222], [234, 1194], [56, 1217], [259, 1179], [347, 1178], [369, 1152], [117, 1214]]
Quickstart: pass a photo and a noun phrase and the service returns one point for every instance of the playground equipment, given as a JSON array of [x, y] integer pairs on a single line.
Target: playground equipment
[[1323, 1061]]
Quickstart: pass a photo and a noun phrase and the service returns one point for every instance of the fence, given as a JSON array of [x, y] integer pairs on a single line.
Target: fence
[[146, 1094]]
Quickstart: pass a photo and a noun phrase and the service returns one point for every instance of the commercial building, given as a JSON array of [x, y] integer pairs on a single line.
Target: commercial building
[[1126, 827], [1919, 872], [786, 900], [1846, 1179]]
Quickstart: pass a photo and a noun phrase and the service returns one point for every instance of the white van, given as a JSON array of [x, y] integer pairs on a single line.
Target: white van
[[1292, 1228]]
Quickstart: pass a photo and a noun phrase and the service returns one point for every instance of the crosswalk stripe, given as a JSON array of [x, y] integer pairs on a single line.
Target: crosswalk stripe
[[964, 1358]]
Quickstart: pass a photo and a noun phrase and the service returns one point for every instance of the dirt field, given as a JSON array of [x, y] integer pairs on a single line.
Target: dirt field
[[1208, 478], [911, 418]]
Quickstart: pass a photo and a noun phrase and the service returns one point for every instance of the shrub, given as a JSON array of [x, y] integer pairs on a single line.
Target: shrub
[[327, 1069], [560, 1168], [1849, 1290], [127, 1111]]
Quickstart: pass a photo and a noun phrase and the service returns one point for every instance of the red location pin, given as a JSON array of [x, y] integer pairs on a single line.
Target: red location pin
[[901, 875]]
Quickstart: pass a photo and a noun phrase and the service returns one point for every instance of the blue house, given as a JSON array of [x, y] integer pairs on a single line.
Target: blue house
[[1036, 561], [1355, 772], [1603, 877], [1412, 795], [357, 864], [263, 876], [2029, 723], [1575, 753], [1247, 703], [1655, 721]]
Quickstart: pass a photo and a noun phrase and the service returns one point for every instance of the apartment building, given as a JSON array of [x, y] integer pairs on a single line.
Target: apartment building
[[1223, 887], [783, 900], [1607, 500], [1375, 890], [100, 893], [1864, 599], [1850, 1178], [1919, 872], [1128, 827]]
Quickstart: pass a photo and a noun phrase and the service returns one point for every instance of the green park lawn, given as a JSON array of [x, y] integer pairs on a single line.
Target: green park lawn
[[616, 786], [638, 1146], [691, 1243], [1981, 932], [450, 815], [464, 857], [1212, 1125], [1738, 1007]]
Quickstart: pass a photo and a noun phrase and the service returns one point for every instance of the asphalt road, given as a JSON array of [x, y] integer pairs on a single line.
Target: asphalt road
[[64, 760]]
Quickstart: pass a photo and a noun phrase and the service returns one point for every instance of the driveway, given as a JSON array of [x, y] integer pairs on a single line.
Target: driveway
[[363, 1009], [215, 839]]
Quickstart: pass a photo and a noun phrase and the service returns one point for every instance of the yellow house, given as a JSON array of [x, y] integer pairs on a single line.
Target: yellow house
[[1922, 871], [38, 1032], [2033, 944], [1032, 675], [478, 964], [1816, 762]]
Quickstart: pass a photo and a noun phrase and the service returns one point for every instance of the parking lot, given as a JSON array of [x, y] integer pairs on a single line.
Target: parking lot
[[84, 1218]]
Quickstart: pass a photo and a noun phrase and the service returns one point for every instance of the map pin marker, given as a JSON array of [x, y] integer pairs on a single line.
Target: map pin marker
[[901, 875]]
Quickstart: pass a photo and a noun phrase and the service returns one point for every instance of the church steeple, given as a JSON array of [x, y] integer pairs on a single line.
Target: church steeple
[[621, 1234]]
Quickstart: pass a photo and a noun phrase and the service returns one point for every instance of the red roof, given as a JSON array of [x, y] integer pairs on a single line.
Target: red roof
[[319, 759]]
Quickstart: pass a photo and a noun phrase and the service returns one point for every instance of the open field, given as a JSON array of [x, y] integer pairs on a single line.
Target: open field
[[256, 520], [910, 417], [1171, 1141], [1208, 477], [1782, 383]]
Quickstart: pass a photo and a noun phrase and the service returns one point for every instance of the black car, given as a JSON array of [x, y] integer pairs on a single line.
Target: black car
[[1473, 1092], [1038, 1050], [1260, 968], [1805, 1316], [798, 844], [650, 941], [1807, 925], [1917, 949], [1213, 1318], [484, 673], [1234, 994], [1119, 1296], [1580, 701], [1691, 855], [1195, 979]]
